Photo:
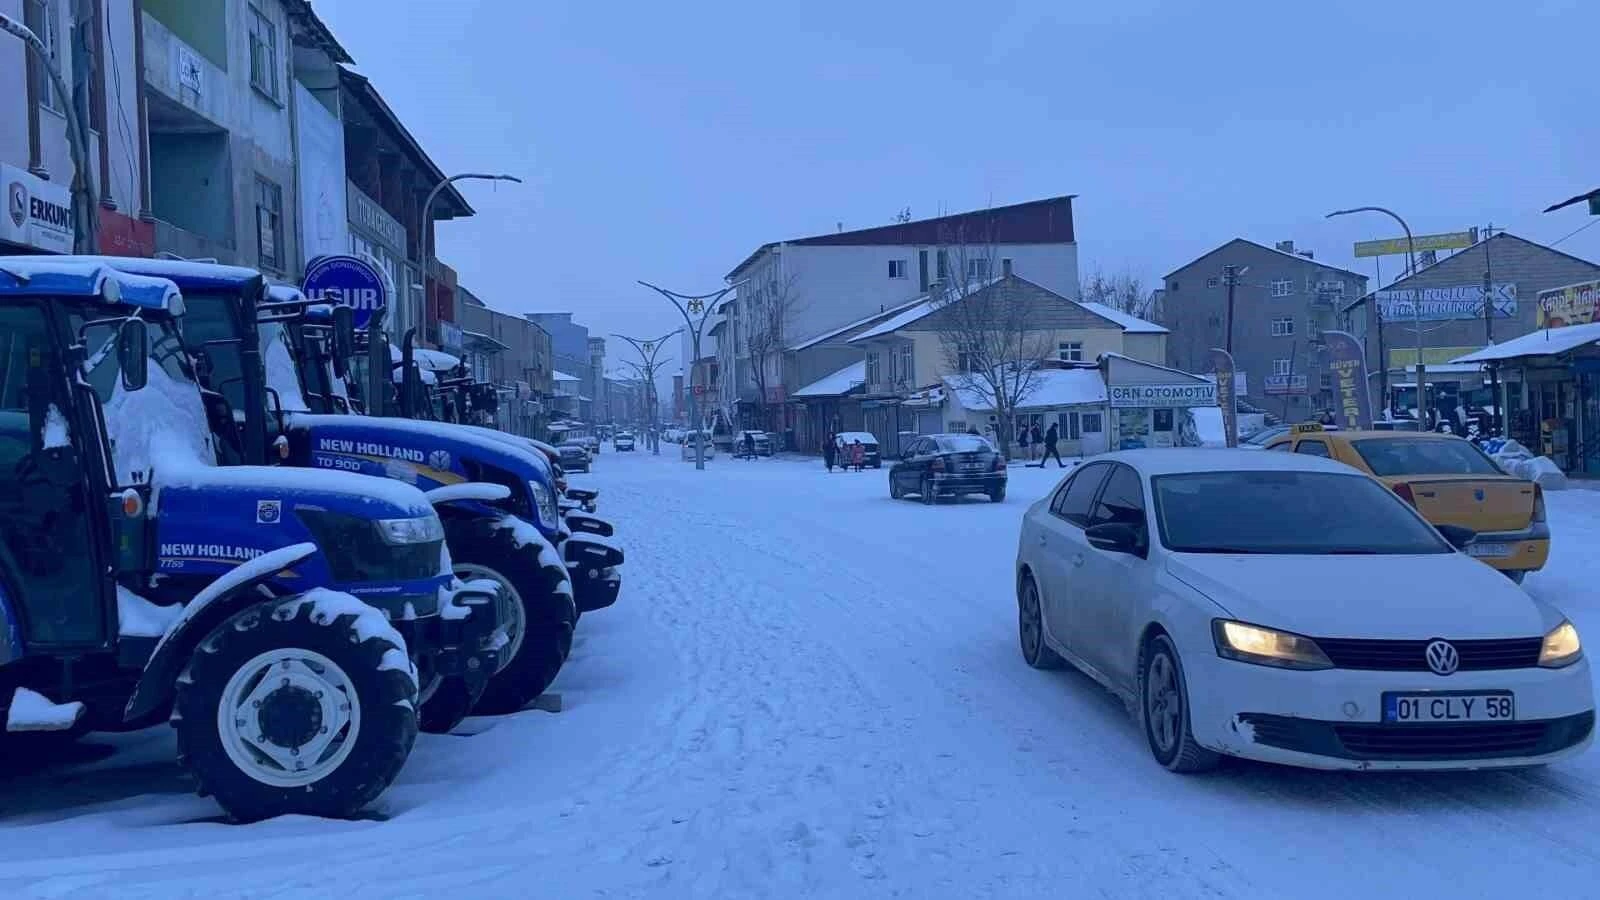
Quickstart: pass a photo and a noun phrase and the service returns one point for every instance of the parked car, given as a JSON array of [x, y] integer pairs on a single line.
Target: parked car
[[591, 443], [575, 455], [623, 441], [869, 442], [1285, 608], [689, 441], [1451, 482], [948, 465], [763, 442]]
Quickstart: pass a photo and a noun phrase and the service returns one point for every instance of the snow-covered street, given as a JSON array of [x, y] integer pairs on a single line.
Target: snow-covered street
[[808, 689]]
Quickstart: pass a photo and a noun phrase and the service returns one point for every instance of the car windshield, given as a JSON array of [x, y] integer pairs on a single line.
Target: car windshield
[[964, 443], [1287, 512], [1424, 456], [1265, 434]]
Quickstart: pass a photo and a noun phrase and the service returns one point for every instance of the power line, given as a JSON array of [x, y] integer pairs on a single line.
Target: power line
[[1592, 223]]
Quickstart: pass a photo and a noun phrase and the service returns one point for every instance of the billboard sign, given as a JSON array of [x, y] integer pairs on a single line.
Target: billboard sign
[[1227, 394], [1452, 240], [349, 281], [1571, 305], [1283, 385], [1438, 304], [1138, 396], [1348, 364]]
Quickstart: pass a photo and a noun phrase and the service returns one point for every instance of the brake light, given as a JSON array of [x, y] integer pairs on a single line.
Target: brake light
[[999, 463], [1538, 503], [1404, 492], [938, 464]]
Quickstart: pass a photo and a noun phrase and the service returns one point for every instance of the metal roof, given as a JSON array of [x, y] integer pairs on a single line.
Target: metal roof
[[1544, 342]]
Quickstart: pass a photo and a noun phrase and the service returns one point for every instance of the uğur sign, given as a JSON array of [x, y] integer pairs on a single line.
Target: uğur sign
[[347, 281]]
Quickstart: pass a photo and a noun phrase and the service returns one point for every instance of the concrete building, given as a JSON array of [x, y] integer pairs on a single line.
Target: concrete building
[[36, 169], [1450, 293], [1283, 299], [569, 343], [512, 353], [800, 288], [599, 389]]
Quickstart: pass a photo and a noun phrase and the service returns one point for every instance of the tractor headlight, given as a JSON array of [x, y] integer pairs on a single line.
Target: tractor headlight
[[544, 504], [420, 530]]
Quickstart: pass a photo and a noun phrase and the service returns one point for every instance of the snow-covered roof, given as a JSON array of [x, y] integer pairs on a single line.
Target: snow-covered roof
[[1544, 342], [1129, 323], [562, 376], [1051, 387], [837, 384], [487, 339], [922, 308], [835, 332]]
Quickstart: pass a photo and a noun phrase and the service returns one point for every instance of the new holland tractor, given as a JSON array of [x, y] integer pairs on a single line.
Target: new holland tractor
[[282, 620], [500, 513]]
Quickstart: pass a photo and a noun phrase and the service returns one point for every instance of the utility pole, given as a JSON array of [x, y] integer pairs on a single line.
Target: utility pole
[[1488, 329], [1230, 277]]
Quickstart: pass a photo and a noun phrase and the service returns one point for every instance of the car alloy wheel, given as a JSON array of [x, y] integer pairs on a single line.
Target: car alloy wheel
[[1164, 709], [1030, 628]]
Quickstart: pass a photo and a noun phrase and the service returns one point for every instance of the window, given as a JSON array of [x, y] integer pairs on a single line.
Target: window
[[1387, 457], [1173, 286], [22, 328], [263, 54], [1213, 281], [1091, 423], [967, 358], [1313, 448], [1283, 327], [1122, 501], [897, 268], [1280, 367], [1282, 287], [872, 368], [1070, 426], [43, 17], [943, 265], [902, 364], [1075, 497], [1070, 351], [1325, 380], [977, 269], [269, 223]]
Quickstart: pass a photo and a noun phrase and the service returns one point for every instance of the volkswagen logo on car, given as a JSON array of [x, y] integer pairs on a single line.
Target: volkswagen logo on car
[[1442, 657]]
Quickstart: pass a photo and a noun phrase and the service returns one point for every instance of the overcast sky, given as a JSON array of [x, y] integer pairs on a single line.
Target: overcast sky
[[665, 141]]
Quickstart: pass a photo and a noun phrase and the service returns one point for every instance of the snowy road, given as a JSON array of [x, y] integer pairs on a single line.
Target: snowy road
[[810, 690]]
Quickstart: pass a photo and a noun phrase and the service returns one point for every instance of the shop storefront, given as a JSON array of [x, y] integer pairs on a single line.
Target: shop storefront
[[381, 239], [1551, 386], [38, 215], [1153, 406]]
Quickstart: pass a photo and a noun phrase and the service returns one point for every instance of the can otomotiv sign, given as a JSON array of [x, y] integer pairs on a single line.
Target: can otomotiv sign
[[1133, 396]]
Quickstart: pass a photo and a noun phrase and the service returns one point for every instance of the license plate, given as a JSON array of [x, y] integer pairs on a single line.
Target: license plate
[[1489, 550], [1497, 706], [972, 467]]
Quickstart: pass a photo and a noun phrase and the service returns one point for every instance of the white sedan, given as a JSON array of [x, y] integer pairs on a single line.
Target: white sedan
[[1287, 608]]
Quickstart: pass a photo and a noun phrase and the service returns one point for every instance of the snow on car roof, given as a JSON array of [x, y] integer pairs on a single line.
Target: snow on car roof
[[1185, 460], [864, 437]]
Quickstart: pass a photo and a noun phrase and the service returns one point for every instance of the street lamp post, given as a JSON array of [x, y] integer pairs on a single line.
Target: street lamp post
[[427, 210], [84, 201], [690, 306], [647, 350], [1416, 305]]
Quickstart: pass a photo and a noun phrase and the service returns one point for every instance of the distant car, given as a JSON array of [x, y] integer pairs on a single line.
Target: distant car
[[574, 455], [948, 465], [872, 457], [1451, 482], [1257, 440], [689, 446], [762, 441], [1286, 608], [592, 443], [623, 441]]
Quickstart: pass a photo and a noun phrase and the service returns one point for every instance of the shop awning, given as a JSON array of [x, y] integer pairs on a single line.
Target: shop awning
[[1544, 342]]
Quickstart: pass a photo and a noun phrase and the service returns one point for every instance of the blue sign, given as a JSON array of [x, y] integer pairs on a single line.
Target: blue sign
[[349, 281]]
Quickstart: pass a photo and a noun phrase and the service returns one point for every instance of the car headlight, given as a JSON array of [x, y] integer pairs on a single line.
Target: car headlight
[[1266, 647], [420, 530], [1561, 647], [544, 502]]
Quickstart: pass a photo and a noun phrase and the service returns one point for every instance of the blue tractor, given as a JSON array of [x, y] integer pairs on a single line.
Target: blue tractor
[[281, 620], [496, 500]]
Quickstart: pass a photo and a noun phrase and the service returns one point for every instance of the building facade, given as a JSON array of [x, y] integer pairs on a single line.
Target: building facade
[[1282, 300], [569, 343]]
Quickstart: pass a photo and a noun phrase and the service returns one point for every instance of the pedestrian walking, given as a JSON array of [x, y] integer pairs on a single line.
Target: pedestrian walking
[[1050, 439], [749, 445], [841, 452], [1022, 441], [858, 454], [829, 448]]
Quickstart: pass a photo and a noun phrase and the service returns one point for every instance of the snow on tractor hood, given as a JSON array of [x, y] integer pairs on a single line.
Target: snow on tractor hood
[[436, 443]]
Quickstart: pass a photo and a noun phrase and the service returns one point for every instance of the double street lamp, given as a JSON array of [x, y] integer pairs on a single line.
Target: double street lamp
[[690, 306], [647, 350]]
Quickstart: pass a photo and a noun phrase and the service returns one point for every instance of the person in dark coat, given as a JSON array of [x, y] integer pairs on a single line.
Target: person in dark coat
[[749, 445], [973, 430], [1050, 438], [829, 448]]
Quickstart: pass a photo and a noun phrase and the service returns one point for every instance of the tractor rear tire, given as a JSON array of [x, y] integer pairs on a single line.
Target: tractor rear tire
[[283, 676], [538, 583]]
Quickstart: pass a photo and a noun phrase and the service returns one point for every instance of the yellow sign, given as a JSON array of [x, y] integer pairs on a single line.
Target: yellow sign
[[1571, 305], [1434, 356], [1452, 240]]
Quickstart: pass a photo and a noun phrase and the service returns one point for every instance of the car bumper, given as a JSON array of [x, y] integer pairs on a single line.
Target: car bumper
[[968, 483], [1526, 551], [1332, 719]]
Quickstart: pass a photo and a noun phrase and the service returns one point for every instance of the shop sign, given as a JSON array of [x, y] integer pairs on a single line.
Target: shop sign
[[38, 212], [373, 219], [1134, 396], [1571, 305], [121, 235], [1399, 246], [1281, 385], [1348, 363], [1438, 304], [347, 280]]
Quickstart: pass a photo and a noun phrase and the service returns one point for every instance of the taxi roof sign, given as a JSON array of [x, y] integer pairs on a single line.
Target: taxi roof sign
[[1306, 428]]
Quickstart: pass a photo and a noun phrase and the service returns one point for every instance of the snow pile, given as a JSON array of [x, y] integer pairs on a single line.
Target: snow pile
[[35, 712], [164, 422], [56, 433], [1521, 462], [138, 617]]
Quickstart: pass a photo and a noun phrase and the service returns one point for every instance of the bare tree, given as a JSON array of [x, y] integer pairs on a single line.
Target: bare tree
[[990, 331], [768, 312], [1123, 292]]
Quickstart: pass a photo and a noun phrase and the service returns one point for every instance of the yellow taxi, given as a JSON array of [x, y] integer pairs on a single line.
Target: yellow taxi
[[1450, 481]]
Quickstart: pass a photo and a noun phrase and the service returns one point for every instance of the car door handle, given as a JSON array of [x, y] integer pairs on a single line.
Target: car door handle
[[1043, 540], [1077, 560]]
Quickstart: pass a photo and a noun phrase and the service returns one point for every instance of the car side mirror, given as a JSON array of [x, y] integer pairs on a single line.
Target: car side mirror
[[132, 356], [1458, 536], [1116, 537]]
